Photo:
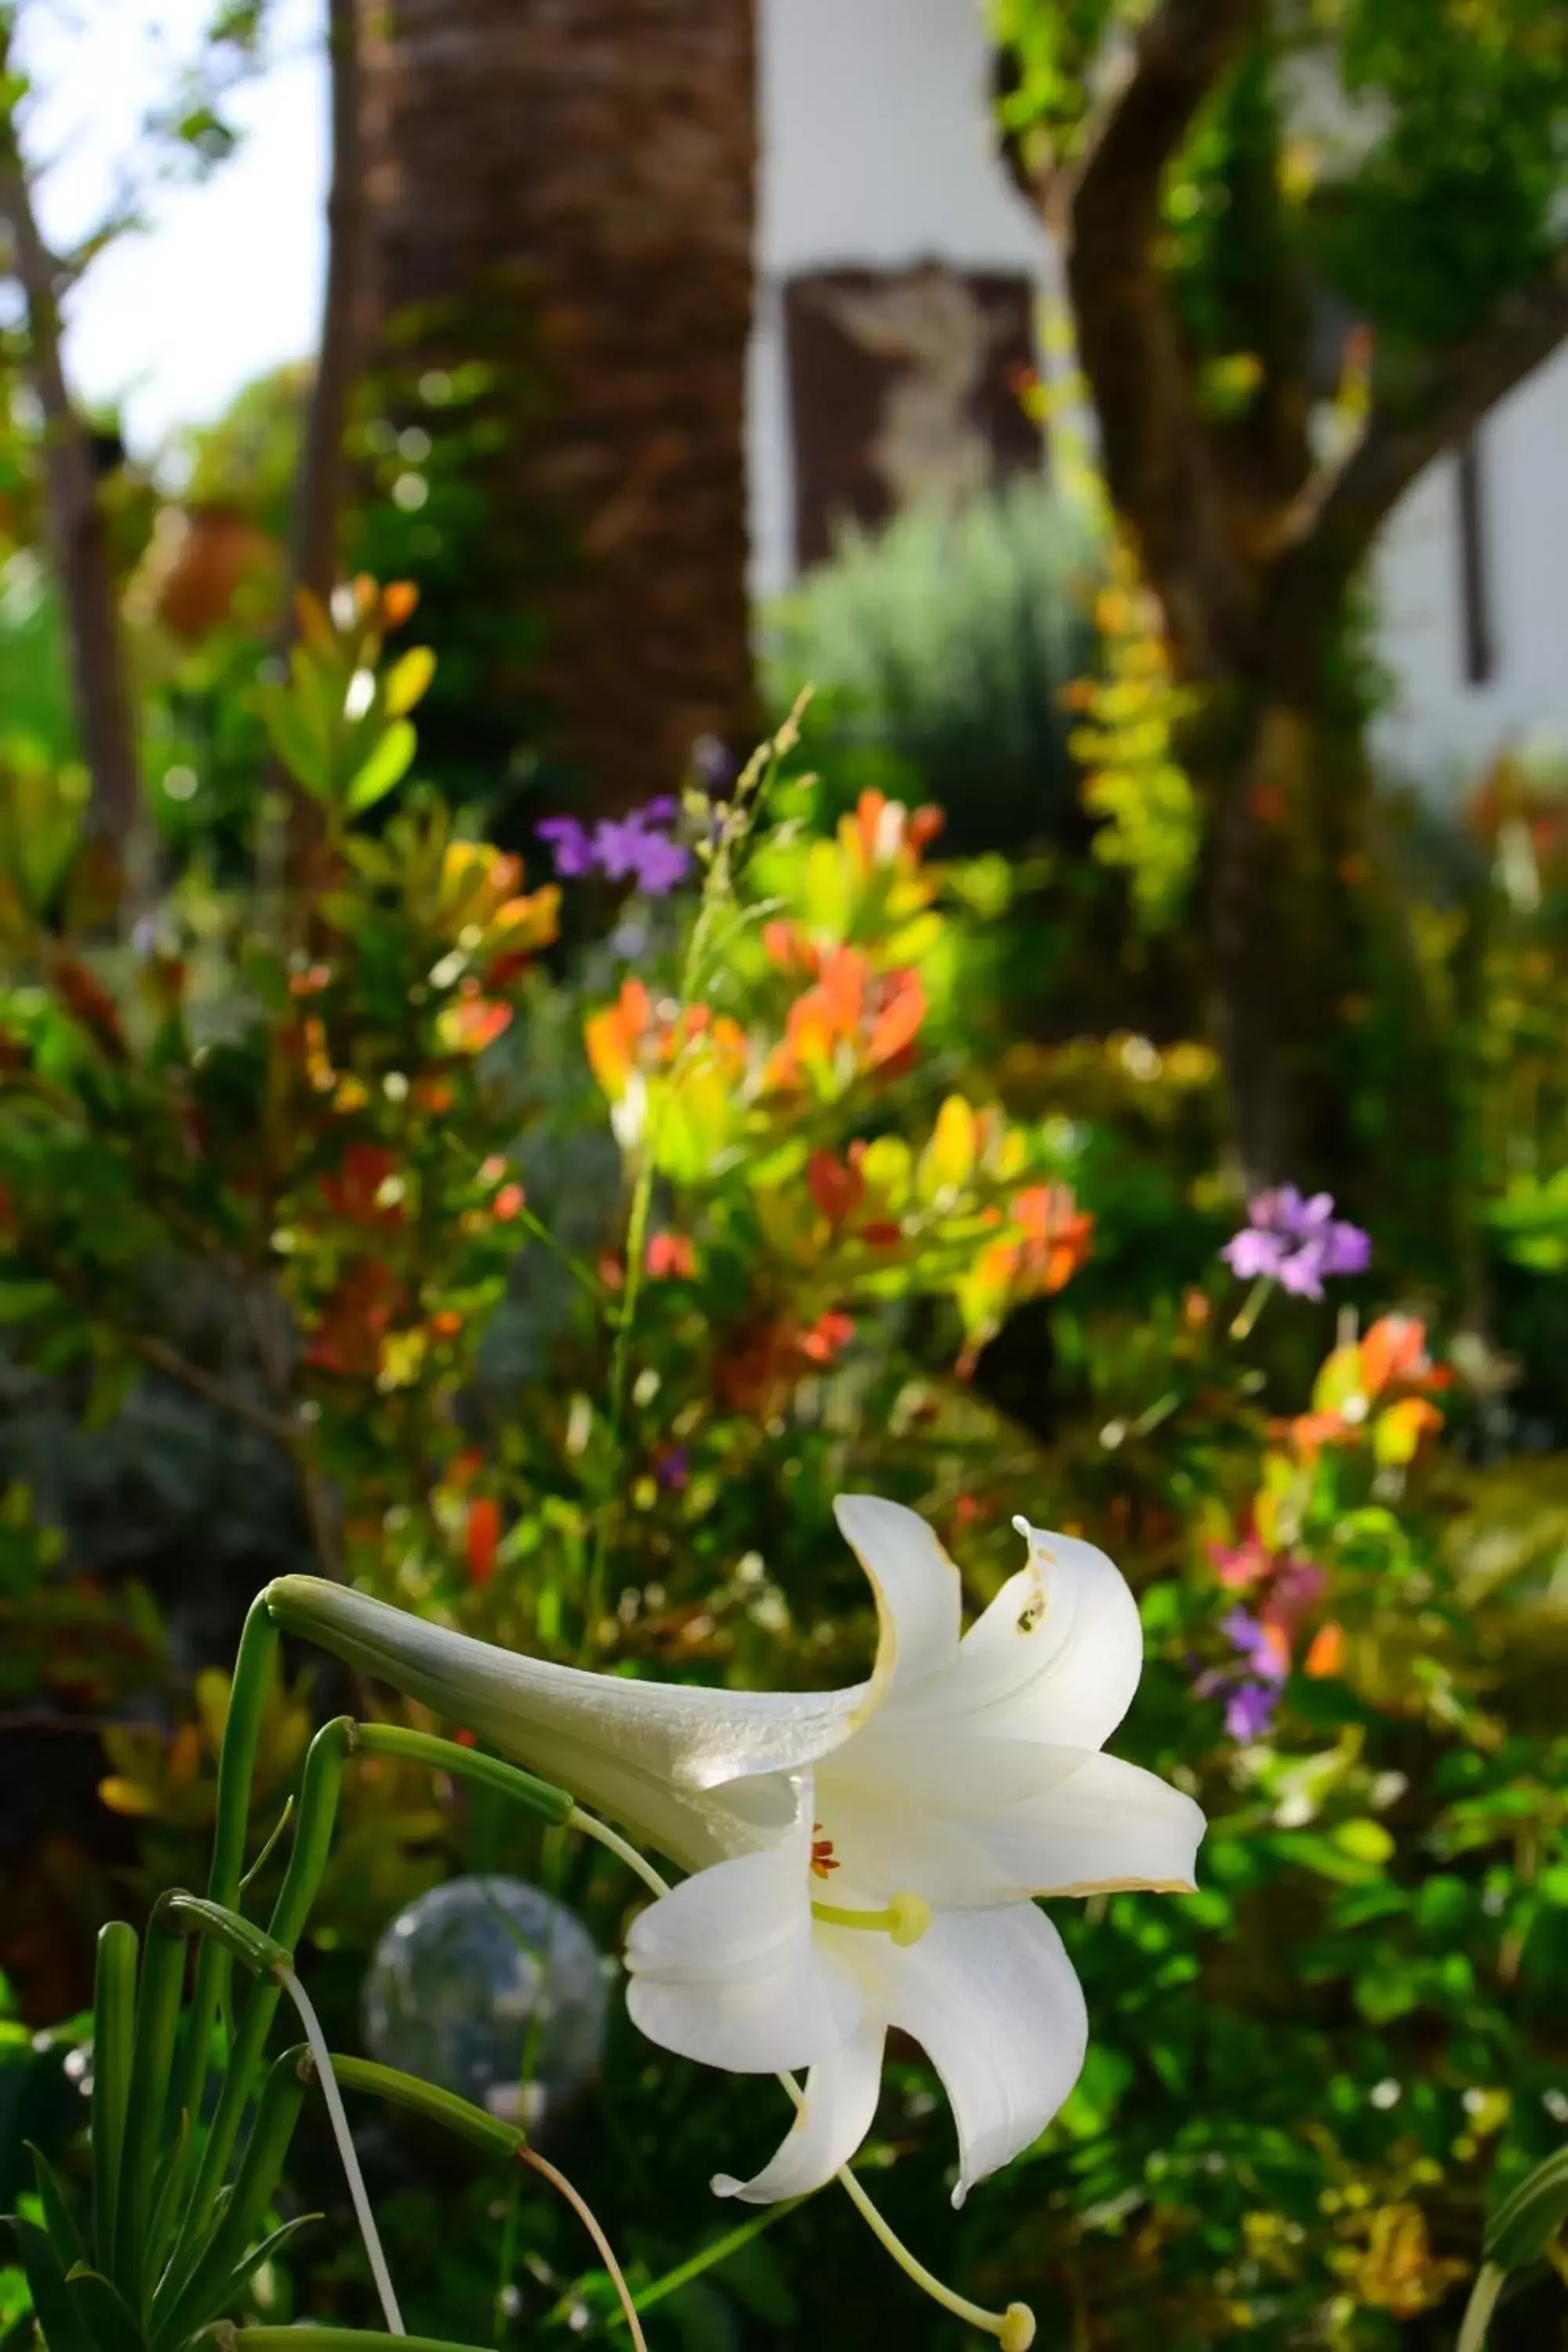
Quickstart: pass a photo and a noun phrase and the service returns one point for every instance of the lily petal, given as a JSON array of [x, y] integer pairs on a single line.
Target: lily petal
[[907, 1807], [1055, 1658], [1107, 1826], [726, 1968], [653, 1755], [834, 2118], [992, 1999], [918, 1593]]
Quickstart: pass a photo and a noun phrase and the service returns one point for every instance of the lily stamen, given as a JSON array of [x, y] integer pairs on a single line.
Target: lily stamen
[[906, 1918]]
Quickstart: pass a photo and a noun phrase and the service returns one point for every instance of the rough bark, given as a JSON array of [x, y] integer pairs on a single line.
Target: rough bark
[[77, 533], [318, 492], [597, 156]]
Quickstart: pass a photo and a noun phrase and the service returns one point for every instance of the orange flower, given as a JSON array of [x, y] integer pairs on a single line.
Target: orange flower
[[473, 1023], [670, 1254], [508, 1203], [876, 1018], [483, 1537], [827, 1336], [1394, 1349], [898, 1023], [1058, 1235], [612, 1035], [1326, 1654], [399, 599]]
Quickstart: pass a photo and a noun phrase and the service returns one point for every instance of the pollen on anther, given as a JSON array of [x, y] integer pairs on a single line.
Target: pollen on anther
[[823, 1859]]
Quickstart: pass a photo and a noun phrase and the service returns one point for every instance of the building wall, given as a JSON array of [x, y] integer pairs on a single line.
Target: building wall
[[1440, 728], [876, 152]]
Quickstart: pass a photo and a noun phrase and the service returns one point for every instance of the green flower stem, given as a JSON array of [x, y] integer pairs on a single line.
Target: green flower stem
[[489, 2133], [1252, 1306], [329, 2339], [1479, 2311], [113, 2033], [539, 1797], [157, 2020], [314, 1819], [436, 2106], [197, 1914], [751, 787], [711, 2256], [602, 2246], [236, 1766], [177, 2309], [321, 2058]]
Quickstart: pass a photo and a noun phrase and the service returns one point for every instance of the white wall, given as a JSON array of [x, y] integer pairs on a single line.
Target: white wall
[[876, 152], [1442, 729]]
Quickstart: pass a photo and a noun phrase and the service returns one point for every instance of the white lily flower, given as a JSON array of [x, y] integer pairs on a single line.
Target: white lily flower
[[860, 1859]]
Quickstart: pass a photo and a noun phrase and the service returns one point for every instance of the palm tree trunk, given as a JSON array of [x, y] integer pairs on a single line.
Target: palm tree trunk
[[586, 166]]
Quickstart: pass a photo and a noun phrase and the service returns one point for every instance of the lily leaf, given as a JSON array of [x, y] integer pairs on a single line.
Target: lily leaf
[[103, 2310], [59, 2220], [57, 2315], [1526, 2221]]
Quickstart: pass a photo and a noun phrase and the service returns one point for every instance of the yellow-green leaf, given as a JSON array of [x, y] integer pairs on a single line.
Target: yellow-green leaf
[[408, 680], [386, 764]]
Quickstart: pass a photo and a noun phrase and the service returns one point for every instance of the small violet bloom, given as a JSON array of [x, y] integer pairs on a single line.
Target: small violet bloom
[[673, 1470], [1296, 1242], [569, 845], [1250, 1698], [630, 848], [1249, 1710]]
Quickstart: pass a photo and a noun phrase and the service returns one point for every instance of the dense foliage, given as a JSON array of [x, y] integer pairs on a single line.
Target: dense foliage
[[556, 1295]]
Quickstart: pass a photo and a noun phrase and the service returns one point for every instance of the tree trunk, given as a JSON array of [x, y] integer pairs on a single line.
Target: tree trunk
[[78, 538], [586, 167]]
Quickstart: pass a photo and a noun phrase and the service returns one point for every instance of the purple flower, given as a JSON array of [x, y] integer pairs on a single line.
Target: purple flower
[[661, 864], [1250, 1696], [626, 850], [1249, 1710], [631, 848], [673, 1469], [1260, 1648], [569, 845], [1296, 1242]]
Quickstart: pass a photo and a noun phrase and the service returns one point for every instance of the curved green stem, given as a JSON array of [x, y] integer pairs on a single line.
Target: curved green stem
[[1479, 2311], [307, 2338], [436, 2106], [538, 1796], [322, 2058]]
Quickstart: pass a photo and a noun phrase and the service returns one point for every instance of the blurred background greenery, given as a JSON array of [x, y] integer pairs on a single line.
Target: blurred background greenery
[[539, 1231]]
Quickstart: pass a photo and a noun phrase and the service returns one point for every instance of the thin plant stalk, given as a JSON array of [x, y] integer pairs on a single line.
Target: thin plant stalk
[[322, 2059], [584, 2213], [1479, 2311]]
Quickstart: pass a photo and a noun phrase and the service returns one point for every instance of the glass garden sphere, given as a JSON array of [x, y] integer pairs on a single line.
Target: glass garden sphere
[[493, 1990]]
